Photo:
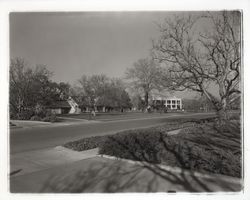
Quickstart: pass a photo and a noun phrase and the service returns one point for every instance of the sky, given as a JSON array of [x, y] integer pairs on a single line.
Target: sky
[[84, 43], [73, 44]]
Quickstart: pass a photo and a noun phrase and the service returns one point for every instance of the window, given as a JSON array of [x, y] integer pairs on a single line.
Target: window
[[173, 101]]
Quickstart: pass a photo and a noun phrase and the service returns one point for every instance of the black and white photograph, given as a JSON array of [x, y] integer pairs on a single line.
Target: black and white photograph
[[117, 101]]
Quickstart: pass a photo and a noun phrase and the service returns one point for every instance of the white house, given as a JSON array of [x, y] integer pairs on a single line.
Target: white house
[[74, 106], [172, 103]]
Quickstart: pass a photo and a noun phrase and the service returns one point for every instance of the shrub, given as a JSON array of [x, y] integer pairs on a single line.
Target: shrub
[[50, 118], [199, 148], [35, 118], [201, 154], [40, 111], [11, 124], [234, 116], [25, 114], [85, 143], [138, 144]]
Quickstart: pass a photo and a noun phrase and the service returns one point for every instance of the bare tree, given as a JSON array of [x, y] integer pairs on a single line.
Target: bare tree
[[203, 53], [100, 90], [145, 76]]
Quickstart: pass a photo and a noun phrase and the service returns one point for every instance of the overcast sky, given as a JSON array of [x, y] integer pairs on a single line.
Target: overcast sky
[[73, 44]]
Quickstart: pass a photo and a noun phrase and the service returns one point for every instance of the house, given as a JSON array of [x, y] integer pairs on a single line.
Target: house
[[74, 106], [68, 106], [171, 103]]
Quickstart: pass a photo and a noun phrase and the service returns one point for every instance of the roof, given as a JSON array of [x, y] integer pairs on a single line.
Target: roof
[[60, 104]]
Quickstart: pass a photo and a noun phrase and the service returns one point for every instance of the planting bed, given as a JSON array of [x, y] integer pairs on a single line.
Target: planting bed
[[200, 146]]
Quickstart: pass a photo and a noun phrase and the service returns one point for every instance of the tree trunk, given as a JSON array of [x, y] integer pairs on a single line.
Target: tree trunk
[[222, 112], [146, 99]]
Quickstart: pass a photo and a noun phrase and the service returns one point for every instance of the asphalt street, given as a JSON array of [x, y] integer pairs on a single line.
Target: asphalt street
[[27, 139]]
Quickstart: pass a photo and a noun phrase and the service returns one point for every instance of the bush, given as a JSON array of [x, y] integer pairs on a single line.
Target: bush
[[138, 144], [40, 111], [11, 124], [85, 143], [25, 115], [93, 142], [35, 118], [199, 148], [201, 153], [50, 118], [234, 116]]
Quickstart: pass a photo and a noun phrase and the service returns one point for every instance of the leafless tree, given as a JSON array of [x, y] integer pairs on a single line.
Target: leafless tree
[[144, 76], [100, 90], [203, 52]]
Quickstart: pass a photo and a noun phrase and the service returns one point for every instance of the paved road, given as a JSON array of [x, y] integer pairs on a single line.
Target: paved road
[[26, 139]]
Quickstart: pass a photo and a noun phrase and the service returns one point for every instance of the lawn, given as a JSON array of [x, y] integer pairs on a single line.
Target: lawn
[[200, 146], [113, 116]]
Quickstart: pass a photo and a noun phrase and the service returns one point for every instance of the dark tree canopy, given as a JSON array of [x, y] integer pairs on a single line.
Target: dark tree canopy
[[32, 87]]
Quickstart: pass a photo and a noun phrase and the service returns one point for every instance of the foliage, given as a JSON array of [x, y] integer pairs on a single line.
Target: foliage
[[32, 89], [136, 145], [35, 118], [201, 148], [50, 118], [85, 143], [137, 102], [205, 148], [24, 114]]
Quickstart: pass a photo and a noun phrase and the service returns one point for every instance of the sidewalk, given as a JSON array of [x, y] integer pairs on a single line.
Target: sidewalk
[[63, 170], [32, 161]]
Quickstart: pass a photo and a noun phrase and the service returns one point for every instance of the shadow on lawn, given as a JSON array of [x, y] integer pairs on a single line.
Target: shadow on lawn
[[206, 148]]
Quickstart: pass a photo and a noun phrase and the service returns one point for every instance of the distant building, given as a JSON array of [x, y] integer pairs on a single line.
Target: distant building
[[172, 103]]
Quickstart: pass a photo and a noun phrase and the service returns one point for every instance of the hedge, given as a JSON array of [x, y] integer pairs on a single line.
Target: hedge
[[201, 148]]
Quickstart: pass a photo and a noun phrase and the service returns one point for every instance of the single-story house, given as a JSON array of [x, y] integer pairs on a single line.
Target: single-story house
[[68, 106]]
